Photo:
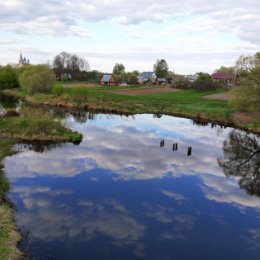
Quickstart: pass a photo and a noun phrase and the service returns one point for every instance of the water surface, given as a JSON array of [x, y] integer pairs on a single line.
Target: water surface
[[119, 195]]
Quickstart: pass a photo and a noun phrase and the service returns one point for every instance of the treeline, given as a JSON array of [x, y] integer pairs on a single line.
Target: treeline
[[8, 77]]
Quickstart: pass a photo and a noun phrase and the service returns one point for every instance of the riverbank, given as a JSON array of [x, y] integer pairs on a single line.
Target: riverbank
[[183, 103], [9, 235], [26, 125]]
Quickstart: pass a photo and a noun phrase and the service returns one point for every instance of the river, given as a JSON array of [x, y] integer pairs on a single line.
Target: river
[[132, 190]]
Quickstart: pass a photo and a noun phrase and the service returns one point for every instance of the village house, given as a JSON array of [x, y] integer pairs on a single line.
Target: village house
[[162, 81], [228, 79], [146, 77], [192, 78], [107, 79]]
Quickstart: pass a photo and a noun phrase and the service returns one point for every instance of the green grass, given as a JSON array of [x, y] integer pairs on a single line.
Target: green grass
[[186, 103], [9, 236], [35, 129]]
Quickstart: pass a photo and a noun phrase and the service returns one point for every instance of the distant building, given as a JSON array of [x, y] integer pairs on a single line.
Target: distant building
[[162, 81], [146, 77], [107, 79], [23, 61], [192, 78], [228, 79]]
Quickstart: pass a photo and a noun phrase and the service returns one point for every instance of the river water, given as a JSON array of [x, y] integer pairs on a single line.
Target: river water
[[122, 194]]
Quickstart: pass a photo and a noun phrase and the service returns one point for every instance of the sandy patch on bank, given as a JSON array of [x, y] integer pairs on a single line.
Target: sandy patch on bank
[[222, 96]]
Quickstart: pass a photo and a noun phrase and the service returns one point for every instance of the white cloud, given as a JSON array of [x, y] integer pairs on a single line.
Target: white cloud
[[231, 16]]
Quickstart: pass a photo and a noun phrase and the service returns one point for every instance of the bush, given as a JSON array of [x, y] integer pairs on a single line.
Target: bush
[[182, 83], [37, 79], [58, 90], [205, 82], [8, 77]]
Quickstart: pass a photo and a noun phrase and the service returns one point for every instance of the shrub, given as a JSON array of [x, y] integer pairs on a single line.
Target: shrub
[[205, 82], [182, 83], [8, 77], [37, 79], [58, 90]]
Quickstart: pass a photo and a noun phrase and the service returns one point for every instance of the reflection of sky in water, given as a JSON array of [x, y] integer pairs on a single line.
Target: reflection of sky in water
[[118, 195]]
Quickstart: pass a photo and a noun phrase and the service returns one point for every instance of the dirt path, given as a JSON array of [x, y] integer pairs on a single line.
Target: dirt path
[[222, 96], [143, 91]]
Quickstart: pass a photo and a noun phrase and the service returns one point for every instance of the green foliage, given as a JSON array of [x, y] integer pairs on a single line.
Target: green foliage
[[245, 64], [132, 78], [118, 69], [161, 68], [224, 69], [42, 128], [58, 90], [246, 96], [204, 82], [37, 79], [182, 83], [8, 77]]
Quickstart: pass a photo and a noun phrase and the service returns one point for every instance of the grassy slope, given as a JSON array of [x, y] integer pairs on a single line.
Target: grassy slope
[[187, 103], [9, 236], [36, 128]]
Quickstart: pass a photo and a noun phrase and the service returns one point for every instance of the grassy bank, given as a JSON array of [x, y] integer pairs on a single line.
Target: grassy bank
[[29, 125], [36, 129], [9, 235], [186, 103]]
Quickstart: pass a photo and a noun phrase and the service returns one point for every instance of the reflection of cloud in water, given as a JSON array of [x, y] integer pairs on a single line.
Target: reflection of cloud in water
[[48, 221], [225, 190], [129, 152], [174, 195]]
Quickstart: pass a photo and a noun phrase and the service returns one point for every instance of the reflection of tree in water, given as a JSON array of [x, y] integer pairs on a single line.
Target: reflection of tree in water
[[242, 159], [82, 117], [39, 147]]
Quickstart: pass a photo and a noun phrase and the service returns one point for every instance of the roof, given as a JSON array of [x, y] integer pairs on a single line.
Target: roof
[[146, 74], [223, 76], [106, 77]]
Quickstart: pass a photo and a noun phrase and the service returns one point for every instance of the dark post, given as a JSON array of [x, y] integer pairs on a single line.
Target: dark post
[[175, 147], [162, 143], [189, 151]]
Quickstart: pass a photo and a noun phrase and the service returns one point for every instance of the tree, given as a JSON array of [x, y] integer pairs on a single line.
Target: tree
[[245, 64], [70, 65], [118, 69], [8, 77], [161, 68], [246, 96], [224, 69], [242, 159], [37, 79], [204, 82], [132, 78]]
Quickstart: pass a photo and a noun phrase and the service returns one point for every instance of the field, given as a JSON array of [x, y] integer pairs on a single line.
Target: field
[[208, 105]]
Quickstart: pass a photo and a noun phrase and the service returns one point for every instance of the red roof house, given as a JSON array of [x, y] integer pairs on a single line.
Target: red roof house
[[228, 79]]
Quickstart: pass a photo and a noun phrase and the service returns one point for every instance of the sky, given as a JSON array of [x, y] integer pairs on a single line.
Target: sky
[[191, 35]]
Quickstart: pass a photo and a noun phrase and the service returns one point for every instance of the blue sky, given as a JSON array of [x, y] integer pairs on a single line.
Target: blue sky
[[191, 35]]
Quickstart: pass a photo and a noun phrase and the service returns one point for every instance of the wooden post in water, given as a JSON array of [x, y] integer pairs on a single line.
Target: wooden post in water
[[189, 151], [175, 147], [162, 143]]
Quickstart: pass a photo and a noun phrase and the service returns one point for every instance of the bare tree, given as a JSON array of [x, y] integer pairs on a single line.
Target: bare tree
[[70, 65]]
